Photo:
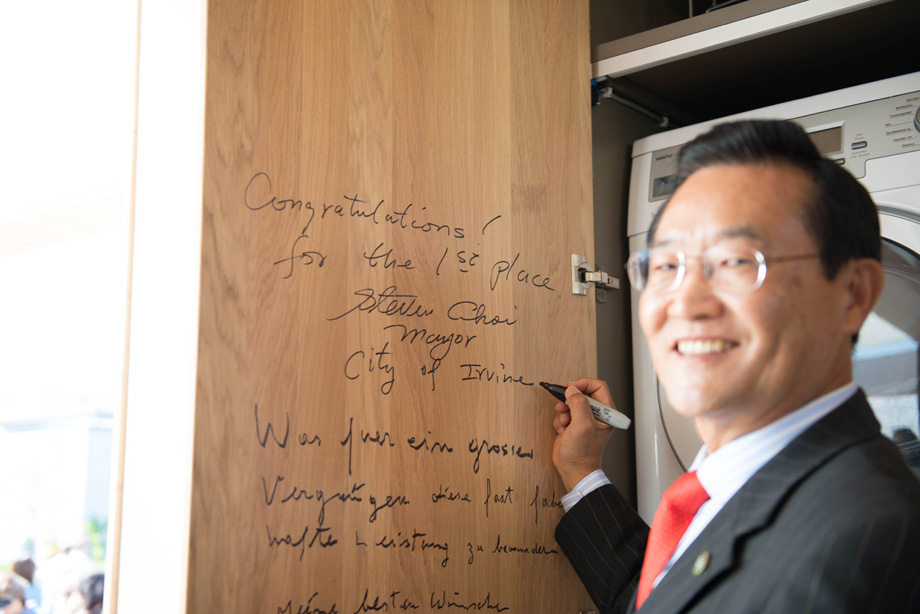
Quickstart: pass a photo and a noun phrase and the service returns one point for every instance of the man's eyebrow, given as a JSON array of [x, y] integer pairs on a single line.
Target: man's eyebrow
[[744, 231]]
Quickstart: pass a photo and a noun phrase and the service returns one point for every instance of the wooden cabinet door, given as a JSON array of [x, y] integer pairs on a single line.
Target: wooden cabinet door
[[393, 190]]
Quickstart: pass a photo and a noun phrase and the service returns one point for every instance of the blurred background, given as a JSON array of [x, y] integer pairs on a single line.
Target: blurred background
[[66, 141]]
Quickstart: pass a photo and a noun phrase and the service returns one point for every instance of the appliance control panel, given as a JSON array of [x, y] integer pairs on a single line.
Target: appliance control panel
[[848, 135]]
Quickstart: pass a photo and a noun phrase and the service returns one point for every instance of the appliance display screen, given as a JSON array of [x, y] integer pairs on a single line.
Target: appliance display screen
[[829, 140]]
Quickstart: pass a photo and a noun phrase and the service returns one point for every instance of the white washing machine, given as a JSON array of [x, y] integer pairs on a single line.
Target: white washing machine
[[873, 130]]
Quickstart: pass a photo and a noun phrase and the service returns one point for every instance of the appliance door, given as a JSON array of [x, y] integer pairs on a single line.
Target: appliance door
[[885, 360]]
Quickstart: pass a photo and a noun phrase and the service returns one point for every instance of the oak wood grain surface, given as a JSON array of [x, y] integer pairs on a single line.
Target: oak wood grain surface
[[393, 191]]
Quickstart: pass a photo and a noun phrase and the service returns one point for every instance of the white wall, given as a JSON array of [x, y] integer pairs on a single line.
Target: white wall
[[164, 309]]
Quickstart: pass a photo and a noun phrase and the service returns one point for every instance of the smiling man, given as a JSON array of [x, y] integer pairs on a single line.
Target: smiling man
[[760, 271]]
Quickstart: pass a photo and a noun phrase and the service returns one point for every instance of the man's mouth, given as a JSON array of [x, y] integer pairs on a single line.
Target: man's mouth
[[698, 347]]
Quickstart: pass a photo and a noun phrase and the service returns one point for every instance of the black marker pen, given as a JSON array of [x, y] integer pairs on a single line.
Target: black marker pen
[[600, 411]]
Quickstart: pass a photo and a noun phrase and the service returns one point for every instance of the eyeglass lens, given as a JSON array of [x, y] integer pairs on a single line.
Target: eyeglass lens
[[728, 267]]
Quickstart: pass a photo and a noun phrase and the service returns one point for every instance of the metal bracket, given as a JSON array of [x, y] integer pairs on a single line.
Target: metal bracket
[[583, 277]]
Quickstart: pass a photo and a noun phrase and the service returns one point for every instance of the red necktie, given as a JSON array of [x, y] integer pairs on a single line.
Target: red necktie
[[678, 506]]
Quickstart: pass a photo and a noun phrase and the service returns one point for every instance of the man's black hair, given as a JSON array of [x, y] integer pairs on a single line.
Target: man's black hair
[[839, 214]]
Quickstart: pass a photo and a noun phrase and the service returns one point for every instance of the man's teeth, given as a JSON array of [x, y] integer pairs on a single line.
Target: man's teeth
[[708, 346]]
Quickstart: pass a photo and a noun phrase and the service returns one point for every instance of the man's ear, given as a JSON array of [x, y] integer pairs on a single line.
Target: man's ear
[[865, 280]]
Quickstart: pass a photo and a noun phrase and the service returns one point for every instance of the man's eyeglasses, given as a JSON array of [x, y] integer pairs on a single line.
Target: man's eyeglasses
[[729, 268]]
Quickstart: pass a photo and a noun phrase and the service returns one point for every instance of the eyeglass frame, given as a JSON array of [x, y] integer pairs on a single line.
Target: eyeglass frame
[[633, 264]]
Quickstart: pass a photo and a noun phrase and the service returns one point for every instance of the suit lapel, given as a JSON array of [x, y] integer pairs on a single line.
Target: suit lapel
[[712, 554]]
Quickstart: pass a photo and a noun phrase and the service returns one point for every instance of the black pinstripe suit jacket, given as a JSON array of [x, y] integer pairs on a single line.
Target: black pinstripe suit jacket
[[831, 524]]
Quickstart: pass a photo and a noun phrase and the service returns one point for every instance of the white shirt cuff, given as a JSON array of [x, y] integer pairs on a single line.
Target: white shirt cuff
[[589, 483]]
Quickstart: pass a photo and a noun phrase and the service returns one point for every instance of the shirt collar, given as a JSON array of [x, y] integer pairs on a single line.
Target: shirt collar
[[725, 471]]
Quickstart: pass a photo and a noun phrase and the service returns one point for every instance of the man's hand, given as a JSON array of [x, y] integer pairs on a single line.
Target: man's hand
[[580, 437]]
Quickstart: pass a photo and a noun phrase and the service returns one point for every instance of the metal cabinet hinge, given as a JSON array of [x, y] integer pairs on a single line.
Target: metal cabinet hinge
[[583, 278]]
